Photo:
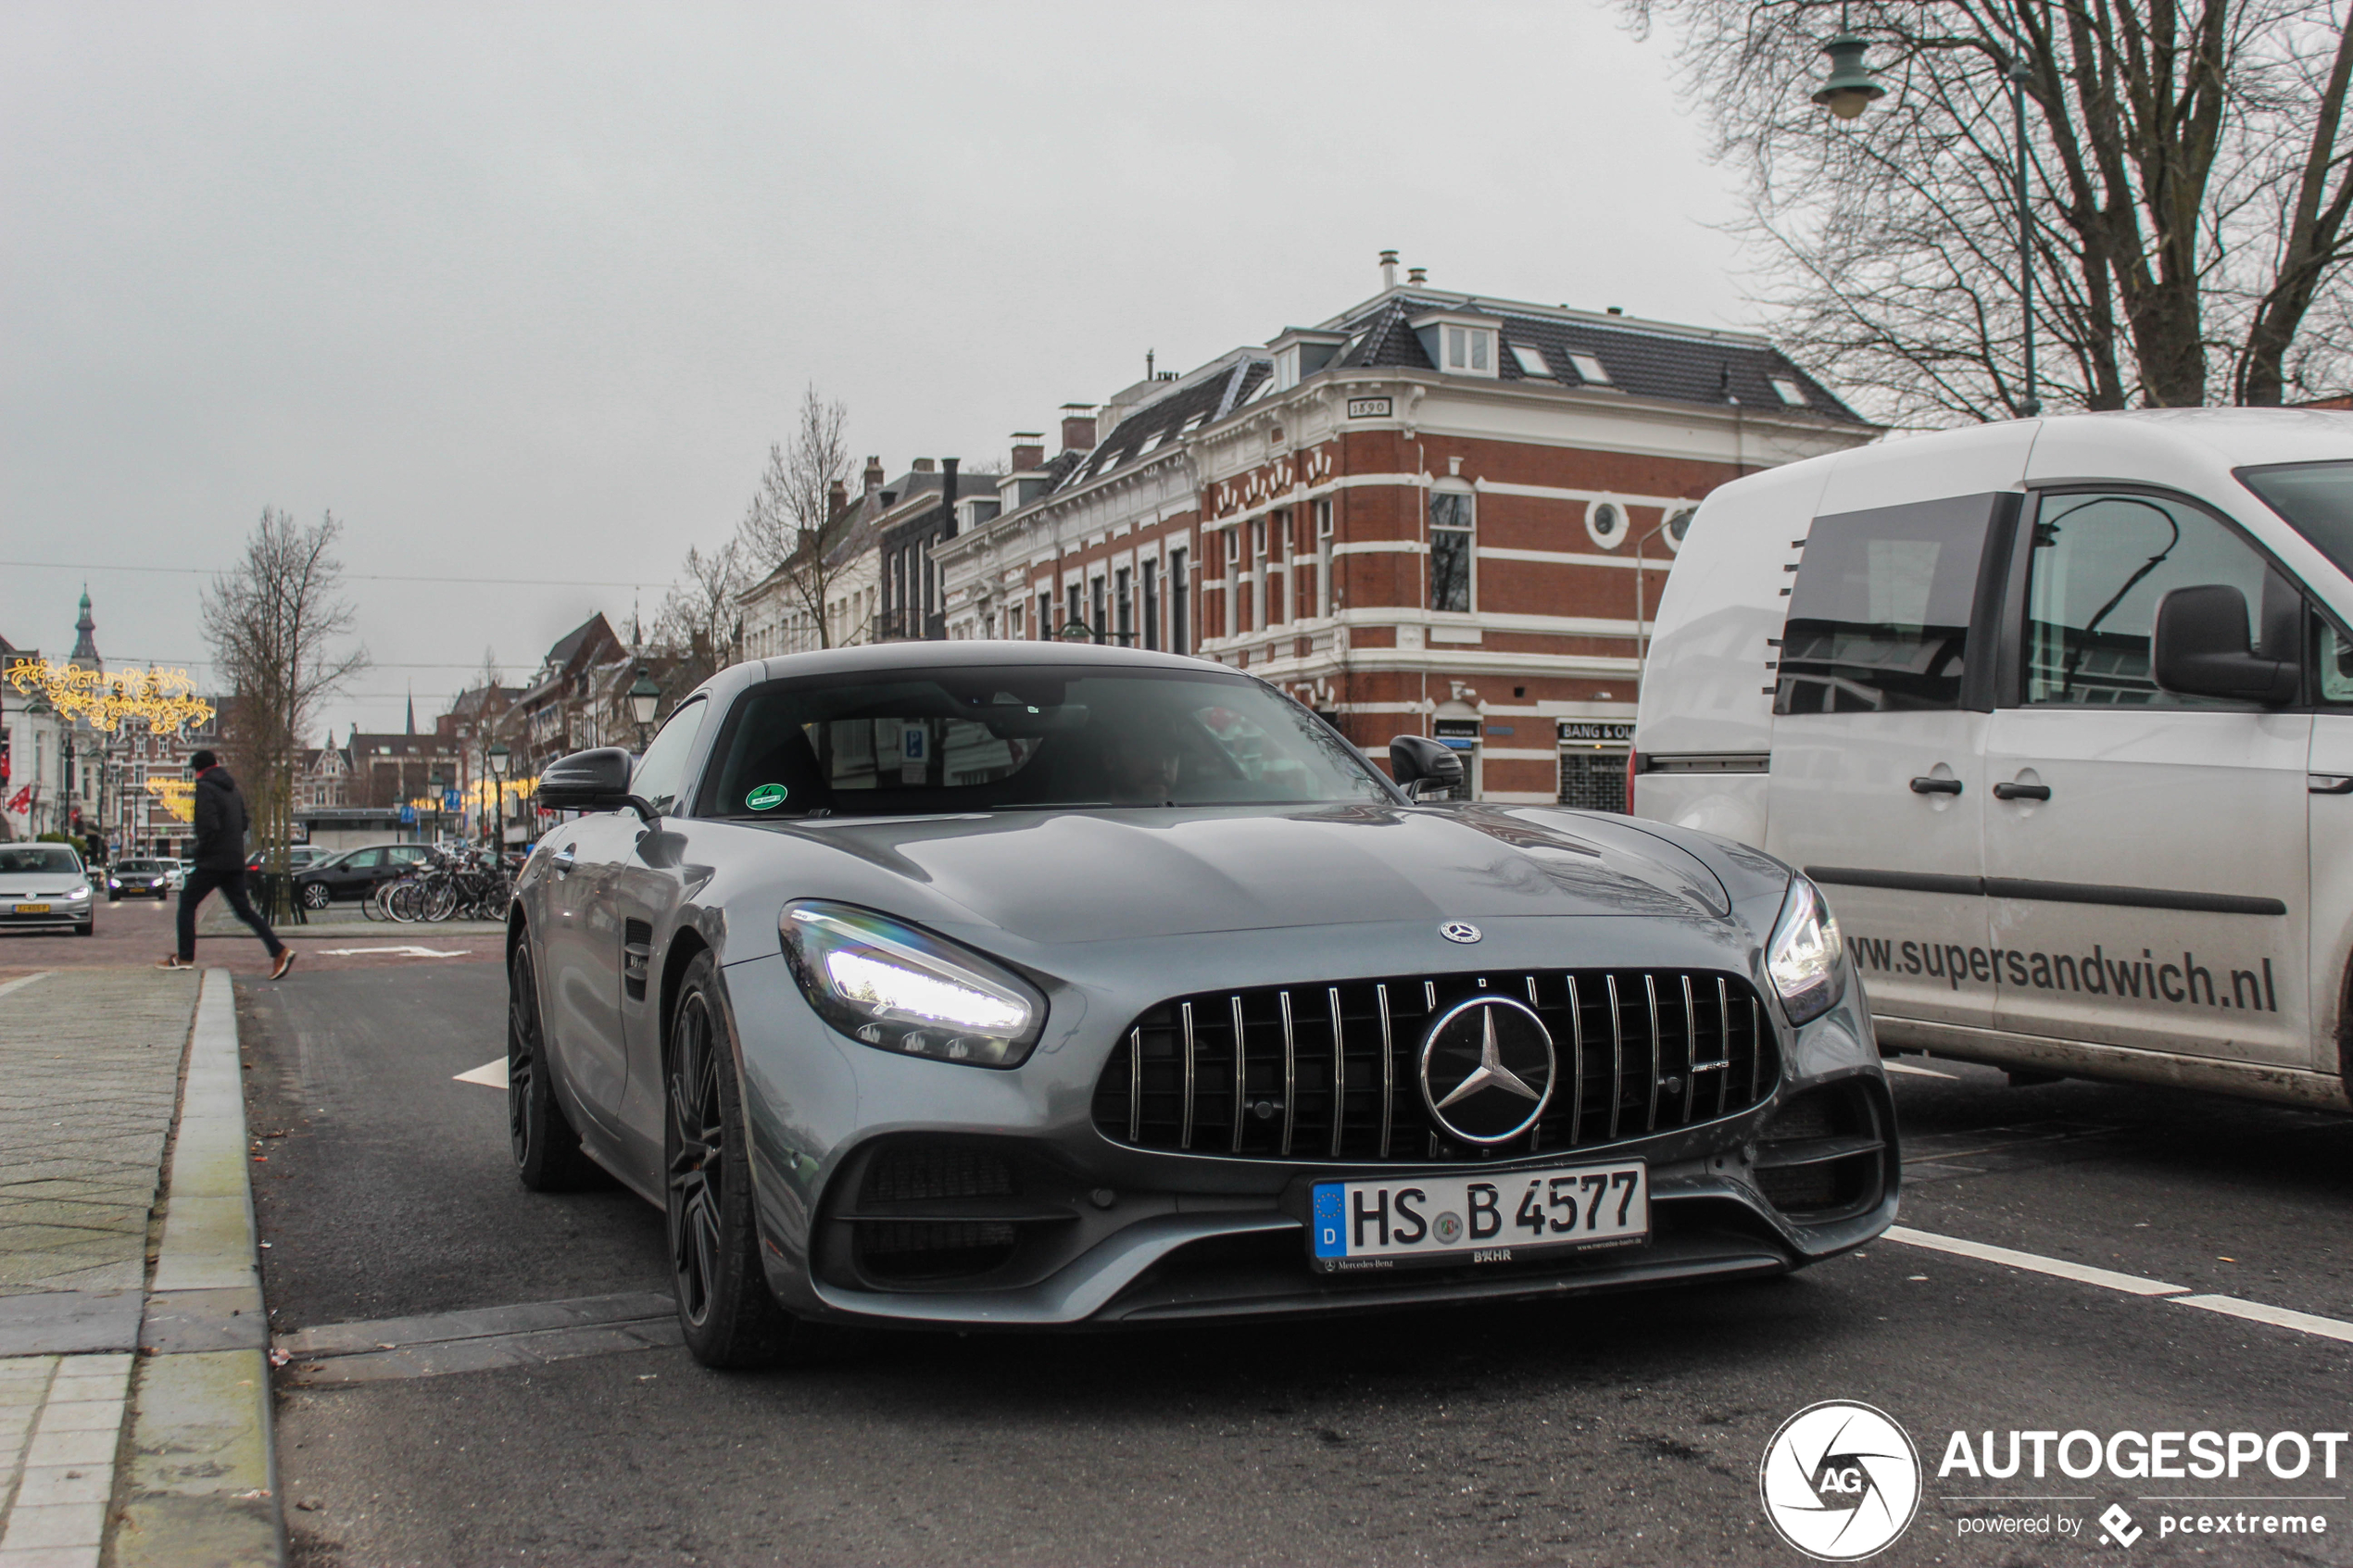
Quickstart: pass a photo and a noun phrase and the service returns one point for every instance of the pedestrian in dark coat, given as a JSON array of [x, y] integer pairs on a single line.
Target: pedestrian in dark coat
[[219, 813]]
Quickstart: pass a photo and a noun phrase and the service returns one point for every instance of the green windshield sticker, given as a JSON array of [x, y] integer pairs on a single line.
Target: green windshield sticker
[[767, 797]]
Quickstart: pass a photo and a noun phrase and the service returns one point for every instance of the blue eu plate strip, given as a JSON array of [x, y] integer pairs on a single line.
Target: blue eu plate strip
[[1330, 1226]]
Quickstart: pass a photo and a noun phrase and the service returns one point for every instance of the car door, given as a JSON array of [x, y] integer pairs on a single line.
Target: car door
[[1885, 666], [582, 951], [355, 875], [648, 883], [2146, 852]]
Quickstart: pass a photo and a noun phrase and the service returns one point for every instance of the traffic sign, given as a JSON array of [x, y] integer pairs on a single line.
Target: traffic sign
[[407, 815]]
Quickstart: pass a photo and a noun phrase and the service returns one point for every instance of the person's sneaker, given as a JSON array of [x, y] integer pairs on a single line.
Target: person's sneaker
[[173, 960], [286, 962]]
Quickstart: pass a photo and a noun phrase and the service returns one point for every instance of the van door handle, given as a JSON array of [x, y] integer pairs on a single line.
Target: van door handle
[[2329, 784], [2021, 791], [562, 859], [1936, 786]]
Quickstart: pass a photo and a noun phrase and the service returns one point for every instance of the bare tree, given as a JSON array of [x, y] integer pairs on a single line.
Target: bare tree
[[794, 523], [2187, 186], [698, 623], [274, 622]]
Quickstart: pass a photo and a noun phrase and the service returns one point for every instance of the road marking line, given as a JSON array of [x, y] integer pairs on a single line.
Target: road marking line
[[2083, 1274], [491, 1074], [2281, 1317], [403, 950], [2131, 1284], [21, 981], [1920, 1072]]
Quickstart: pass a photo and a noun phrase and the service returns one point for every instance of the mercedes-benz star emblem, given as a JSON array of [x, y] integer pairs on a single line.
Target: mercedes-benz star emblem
[[1459, 930], [1487, 1070]]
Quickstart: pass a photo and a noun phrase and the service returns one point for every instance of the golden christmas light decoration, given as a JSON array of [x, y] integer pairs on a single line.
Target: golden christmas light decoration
[[163, 700], [177, 797]]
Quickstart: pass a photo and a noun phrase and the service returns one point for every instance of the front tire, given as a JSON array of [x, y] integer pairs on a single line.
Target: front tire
[[315, 896], [546, 1147], [727, 1314]]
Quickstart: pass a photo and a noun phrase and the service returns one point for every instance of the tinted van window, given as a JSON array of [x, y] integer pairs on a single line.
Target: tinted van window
[[1878, 617], [2317, 501]]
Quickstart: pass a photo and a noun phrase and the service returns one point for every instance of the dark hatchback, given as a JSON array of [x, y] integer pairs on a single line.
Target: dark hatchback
[[355, 873]]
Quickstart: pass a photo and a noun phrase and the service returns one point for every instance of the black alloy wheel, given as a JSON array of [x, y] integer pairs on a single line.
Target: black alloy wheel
[[727, 1314], [546, 1147]]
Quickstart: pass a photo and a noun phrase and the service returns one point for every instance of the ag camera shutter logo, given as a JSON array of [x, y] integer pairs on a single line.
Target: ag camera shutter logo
[[1840, 1481]]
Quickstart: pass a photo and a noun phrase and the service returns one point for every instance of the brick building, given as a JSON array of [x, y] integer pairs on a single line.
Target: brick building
[[1432, 513]]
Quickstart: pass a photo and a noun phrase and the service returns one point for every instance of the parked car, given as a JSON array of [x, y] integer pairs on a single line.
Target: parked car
[[2059, 713], [299, 858], [44, 886], [139, 879], [1006, 983], [355, 873]]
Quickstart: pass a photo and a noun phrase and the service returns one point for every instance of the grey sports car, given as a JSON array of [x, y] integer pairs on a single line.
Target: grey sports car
[[1005, 985]]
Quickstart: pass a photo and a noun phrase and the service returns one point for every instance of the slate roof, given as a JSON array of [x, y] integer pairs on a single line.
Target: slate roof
[[1215, 395], [1643, 360]]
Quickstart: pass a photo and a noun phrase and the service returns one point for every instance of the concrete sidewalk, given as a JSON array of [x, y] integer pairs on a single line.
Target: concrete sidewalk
[[135, 1391]]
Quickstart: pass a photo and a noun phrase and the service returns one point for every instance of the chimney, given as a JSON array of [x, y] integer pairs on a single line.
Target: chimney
[[948, 496], [922, 465], [1030, 450], [874, 477], [837, 497], [1417, 277], [1388, 269], [1078, 427]]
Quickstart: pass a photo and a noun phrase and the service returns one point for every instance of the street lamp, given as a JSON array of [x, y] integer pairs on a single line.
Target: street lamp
[[643, 698], [499, 754], [1851, 87]]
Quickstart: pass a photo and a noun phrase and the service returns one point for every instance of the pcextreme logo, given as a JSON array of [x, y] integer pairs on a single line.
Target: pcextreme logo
[[1840, 1481]]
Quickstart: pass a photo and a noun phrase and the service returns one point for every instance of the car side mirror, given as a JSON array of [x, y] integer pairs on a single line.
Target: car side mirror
[[592, 781], [2200, 648], [1419, 763]]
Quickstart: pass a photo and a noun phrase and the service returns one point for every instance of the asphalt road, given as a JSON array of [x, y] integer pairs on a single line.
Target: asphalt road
[[141, 931], [1625, 1430]]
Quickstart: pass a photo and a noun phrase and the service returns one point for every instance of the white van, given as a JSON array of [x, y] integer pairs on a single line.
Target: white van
[[2059, 713]]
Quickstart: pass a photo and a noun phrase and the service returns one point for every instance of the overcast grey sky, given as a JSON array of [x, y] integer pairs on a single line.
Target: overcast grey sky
[[525, 292]]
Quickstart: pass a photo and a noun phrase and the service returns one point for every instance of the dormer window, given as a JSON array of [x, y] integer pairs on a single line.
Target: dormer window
[[1298, 354], [1459, 342], [1531, 361], [1589, 370]]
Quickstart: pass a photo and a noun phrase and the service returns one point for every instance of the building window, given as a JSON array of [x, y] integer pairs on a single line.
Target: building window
[[1470, 350], [1151, 605], [1181, 638], [1789, 392], [1450, 551], [1095, 623], [1606, 522], [1124, 609], [1045, 614], [1278, 569], [1531, 361], [1323, 557], [1077, 606], [1589, 370]]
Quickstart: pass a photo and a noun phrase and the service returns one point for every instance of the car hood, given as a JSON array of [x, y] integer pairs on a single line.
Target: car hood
[[55, 884], [1079, 876]]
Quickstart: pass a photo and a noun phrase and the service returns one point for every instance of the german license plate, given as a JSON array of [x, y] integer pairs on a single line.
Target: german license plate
[[32, 909], [1477, 1218]]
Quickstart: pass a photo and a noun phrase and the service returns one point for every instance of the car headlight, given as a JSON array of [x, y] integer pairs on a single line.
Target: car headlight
[[79, 891], [1803, 957], [901, 989], [114, 881]]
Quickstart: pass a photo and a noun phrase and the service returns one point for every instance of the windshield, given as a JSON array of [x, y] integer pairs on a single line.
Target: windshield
[[2317, 500], [917, 742], [138, 866], [20, 860]]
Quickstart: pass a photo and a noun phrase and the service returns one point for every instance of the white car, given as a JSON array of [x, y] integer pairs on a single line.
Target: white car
[[45, 887], [2059, 714]]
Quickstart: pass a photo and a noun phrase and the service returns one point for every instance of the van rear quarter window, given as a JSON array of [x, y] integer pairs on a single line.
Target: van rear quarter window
[[1878, 617]]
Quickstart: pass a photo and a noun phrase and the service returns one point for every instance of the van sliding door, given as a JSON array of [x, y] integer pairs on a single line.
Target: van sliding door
[[1877, 785]]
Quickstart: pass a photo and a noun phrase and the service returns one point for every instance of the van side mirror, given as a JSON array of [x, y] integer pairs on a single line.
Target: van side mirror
[[591, 781], [2200, 648], [1419, 763]]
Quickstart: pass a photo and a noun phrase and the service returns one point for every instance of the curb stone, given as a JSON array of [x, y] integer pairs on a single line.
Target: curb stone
[[201, 1487]]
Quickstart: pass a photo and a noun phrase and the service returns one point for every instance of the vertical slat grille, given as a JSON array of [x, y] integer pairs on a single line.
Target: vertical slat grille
[[1332, 1072]]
